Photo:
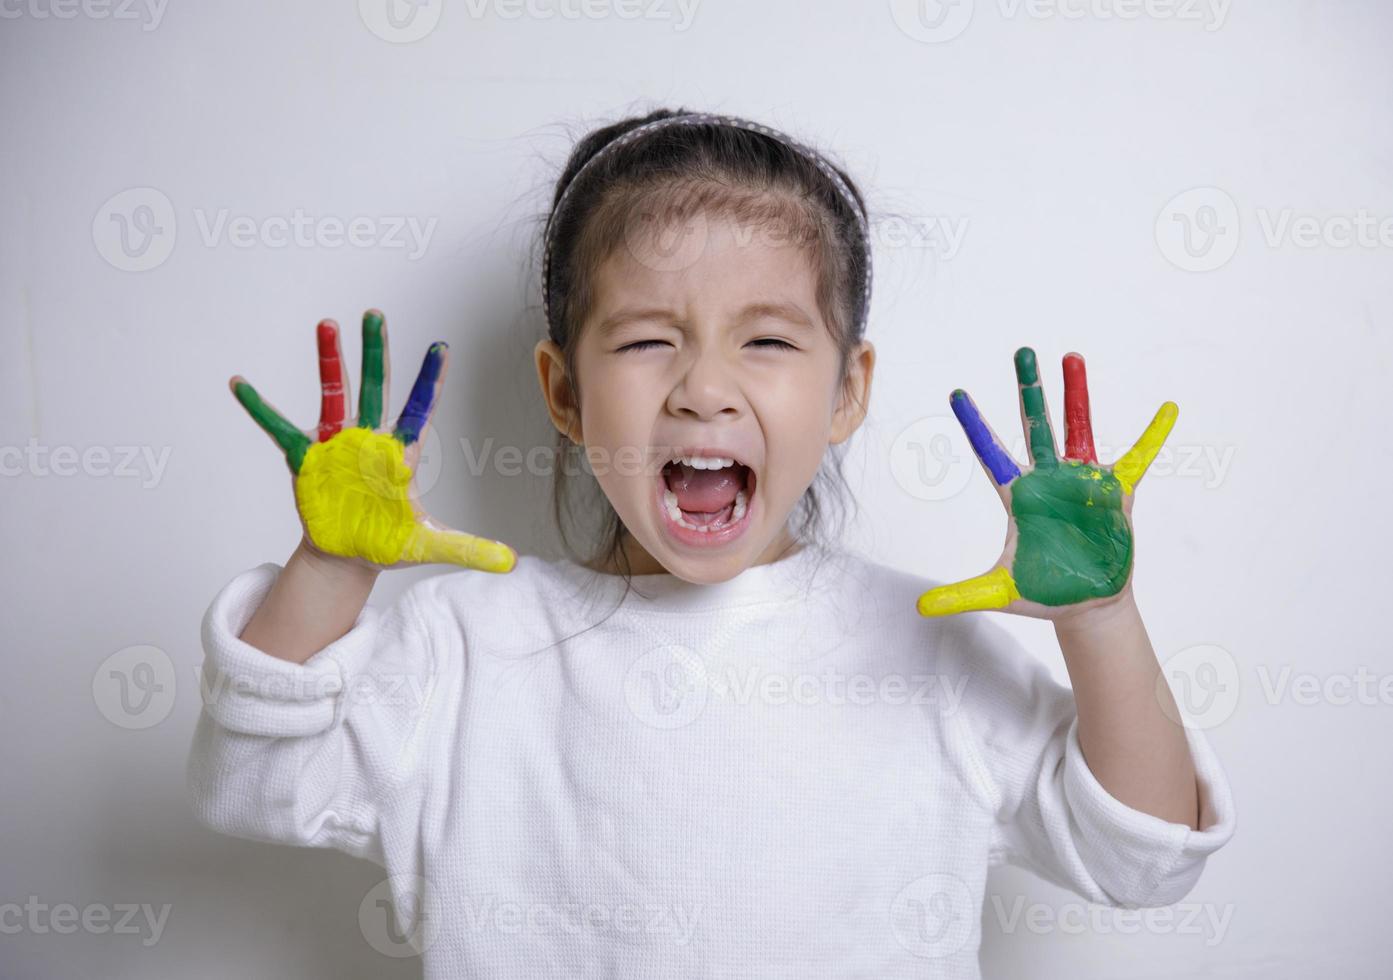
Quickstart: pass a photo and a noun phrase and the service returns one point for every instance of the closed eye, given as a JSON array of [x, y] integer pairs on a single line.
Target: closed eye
[[645, 344]]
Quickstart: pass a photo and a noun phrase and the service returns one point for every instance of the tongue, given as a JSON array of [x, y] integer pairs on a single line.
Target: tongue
[[704, 491]]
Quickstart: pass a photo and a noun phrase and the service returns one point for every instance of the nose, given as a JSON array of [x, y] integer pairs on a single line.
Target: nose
[[707, 389]]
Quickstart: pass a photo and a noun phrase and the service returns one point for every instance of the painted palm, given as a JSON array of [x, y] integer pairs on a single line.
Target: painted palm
[[1070, 536], [353, 483]]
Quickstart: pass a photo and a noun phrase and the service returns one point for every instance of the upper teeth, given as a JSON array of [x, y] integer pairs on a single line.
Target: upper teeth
[[704, 462]]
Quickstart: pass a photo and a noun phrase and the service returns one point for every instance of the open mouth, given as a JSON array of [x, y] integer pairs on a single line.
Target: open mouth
[[706, 494]]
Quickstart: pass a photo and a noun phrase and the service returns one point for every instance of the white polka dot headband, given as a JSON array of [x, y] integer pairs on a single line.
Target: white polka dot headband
[[700, 118]]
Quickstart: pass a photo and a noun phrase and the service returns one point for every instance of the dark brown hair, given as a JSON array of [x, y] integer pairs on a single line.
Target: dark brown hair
[[672, 174]]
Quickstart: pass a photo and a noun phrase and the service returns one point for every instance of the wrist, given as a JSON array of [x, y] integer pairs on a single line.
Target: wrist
[[1117, 611], [337, 571]]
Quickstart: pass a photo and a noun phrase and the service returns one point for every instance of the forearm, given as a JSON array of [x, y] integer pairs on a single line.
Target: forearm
[[1132, 745], [316, 599]]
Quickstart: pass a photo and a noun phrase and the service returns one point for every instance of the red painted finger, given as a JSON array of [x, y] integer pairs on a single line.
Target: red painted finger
[[1078, 423], [332, 403]]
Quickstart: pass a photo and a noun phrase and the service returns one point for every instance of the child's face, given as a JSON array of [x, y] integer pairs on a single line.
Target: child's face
[[713, 376]]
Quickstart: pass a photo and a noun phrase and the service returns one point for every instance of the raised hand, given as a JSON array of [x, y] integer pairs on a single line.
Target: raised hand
[[1069, 543], [353, 483]]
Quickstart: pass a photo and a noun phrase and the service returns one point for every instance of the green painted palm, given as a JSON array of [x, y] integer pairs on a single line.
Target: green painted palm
[[1070, 536]]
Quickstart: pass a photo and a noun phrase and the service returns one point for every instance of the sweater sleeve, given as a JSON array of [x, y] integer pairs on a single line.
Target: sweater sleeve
[[1053, 817], [303, 753]]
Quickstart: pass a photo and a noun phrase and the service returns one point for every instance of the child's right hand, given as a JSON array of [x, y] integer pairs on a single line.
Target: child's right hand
[[353, 483]]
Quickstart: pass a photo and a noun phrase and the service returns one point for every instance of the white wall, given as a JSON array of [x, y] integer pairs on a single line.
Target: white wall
[[1055, 144]]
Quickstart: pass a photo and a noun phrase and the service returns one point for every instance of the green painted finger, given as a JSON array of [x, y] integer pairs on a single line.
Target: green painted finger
[[370, 394], [292, 441], [1037, 423]]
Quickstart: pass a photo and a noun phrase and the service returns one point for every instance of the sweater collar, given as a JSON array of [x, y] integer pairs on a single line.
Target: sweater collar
[[786, 580]]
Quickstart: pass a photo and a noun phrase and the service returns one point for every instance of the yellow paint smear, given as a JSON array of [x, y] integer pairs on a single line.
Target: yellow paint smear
[[1133, 464], [994, 590], [354, 493]]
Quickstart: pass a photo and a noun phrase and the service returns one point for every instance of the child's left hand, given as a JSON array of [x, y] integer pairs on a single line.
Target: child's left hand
[[1069, 543]]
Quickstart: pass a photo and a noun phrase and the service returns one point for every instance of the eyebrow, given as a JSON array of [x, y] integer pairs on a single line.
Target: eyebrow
[[787, 312]]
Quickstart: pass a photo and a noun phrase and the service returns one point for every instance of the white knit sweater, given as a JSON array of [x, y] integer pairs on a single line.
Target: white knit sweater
[[789, 774]]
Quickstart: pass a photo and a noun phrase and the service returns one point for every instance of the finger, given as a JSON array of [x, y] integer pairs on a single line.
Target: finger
[[997, 461], [292, 441], [423, 394], [1036, 421], [1133, 465], [428, 544], [333, 394], [994, 590], [374, 373], [1078, 421]]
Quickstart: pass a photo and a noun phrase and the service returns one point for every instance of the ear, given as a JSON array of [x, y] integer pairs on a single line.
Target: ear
[[854, 393], [556, 389]]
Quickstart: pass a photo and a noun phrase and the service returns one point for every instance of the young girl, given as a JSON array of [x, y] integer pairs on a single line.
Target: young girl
[[718, 744]]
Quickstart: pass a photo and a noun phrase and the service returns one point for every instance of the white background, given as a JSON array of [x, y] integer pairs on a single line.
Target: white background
[[1054, 139]]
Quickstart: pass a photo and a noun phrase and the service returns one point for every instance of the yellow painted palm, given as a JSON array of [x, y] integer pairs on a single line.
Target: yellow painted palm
[[353, 483]]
